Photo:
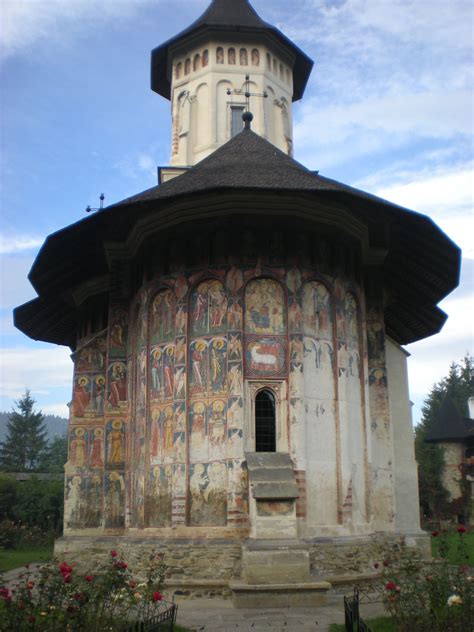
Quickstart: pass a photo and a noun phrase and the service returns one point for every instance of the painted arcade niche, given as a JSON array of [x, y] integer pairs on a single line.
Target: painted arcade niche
[[164, 410]]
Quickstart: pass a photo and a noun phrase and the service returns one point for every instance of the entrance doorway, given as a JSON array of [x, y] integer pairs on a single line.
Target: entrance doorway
[[265, 422]]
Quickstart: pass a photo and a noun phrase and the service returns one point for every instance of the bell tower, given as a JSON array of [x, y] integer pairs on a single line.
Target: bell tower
[[206, 70]]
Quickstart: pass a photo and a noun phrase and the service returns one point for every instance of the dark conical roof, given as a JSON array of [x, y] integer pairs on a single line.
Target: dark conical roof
[[450, 425], [227, 17]]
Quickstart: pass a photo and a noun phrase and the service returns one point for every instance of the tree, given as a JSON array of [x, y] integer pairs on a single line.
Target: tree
[[26, 437], [54, 457], [459, 385]]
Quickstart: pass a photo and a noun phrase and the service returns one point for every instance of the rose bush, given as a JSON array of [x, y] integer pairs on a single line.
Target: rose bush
[[58, 599], [434, 598]]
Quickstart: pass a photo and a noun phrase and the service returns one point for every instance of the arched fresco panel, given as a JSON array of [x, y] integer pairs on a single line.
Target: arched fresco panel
[[320, 401], [207, 404]]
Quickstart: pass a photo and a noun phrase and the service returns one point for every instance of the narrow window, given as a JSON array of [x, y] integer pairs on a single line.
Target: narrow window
[[220, 55], [231, 56], [187, 66], [243, 57], [255, 57], [197, 62], [205, 58], [265, 422], [237, 123]]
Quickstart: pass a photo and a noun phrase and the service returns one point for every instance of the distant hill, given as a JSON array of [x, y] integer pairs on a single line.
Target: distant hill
[[55, 426]]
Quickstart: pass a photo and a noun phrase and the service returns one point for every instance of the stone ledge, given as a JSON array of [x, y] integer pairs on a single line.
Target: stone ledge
[[304, 595]]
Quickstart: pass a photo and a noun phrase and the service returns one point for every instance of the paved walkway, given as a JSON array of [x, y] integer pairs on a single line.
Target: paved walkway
[[218, 615]]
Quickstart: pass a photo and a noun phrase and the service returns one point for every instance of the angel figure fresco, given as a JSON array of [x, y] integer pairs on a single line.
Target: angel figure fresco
[[181, 321], [118, 384], [117, 335], [235, 379], [81, 398], [115, 441], [235, 316], [180, 382], [180, 418], [200, 308], [78, 448], [180, 351], [217, 363], [96, 458], [294, 316], [217, 424], [235, 346], [198, 370], [168, 314]]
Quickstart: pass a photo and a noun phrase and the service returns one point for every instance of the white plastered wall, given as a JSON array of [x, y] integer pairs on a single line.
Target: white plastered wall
[[407, 507], [201, 107]]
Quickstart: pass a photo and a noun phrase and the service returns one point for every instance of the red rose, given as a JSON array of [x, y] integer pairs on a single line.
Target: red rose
[[391, 586], [30, 585], [65, 569], [386, 563], [435, 534], [113, 553], [89, 578], [67, 578], [462, 529], [157, 596]]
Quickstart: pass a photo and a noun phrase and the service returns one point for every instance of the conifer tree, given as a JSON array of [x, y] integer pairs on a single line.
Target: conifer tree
[[26, 437], [459, 385]]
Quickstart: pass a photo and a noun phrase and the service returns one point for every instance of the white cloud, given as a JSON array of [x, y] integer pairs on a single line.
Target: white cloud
[[61, 410], [19, 243], [41, 370]]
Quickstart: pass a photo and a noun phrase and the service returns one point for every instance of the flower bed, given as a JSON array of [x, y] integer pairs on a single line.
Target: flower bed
[[58, 599], [438, 598]]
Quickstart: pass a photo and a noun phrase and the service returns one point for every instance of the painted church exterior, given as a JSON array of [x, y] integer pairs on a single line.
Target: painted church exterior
[[240, 385]]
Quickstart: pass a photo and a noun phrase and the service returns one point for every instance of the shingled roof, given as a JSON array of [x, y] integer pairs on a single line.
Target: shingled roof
[[450, 425], [421, 266], [225, 18]]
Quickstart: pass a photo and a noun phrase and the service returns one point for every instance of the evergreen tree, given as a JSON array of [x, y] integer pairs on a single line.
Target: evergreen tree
[[26, 437], [54, 457], [459, 385]]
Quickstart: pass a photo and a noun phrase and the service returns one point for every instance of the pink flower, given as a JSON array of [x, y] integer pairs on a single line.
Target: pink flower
[[391, 586], [157, 596], [89, 578], [113, 553]]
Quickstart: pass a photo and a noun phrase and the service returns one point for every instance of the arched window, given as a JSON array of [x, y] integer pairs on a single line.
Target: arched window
[[265, 422], [178, 70], [197, 62], [269, 61], [243, 57], [255, 57], [205, 58], [231, 56], [220, 55], [187, 66]]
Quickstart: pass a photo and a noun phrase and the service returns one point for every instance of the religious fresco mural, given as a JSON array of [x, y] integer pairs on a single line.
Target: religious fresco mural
[[208, 309], [162, 372], [78, 446], [118, 332], [162, 317], [265, 329], [84, 502], [115, 440], [208, 490], [117, 391], [114, 500], [96, 449], [88, 399], [158, 497]]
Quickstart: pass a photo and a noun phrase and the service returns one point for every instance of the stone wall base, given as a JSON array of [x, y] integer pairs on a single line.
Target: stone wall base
[[198, 568]]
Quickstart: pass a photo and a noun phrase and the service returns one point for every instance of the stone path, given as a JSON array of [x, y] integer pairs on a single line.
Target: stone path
[[218, 615]]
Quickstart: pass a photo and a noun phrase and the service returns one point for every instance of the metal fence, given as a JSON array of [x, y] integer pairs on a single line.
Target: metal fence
[[352, 619], [162, 621]]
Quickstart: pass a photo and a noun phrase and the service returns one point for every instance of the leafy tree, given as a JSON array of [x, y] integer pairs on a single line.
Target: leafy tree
[[26, 437], [459, 385], [54, 457]]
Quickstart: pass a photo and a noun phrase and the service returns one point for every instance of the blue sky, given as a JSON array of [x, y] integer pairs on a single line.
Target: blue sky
[[389, 108]]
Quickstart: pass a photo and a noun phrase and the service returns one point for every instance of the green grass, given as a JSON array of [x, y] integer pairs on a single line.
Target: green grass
[[15, 558], [453, 550], [380, 624]]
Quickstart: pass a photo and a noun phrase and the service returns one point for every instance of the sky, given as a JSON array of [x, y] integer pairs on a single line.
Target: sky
[[388, 108]]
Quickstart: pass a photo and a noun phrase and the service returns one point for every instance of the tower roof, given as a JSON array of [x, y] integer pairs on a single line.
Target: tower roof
[[227, 18], [450, 425]]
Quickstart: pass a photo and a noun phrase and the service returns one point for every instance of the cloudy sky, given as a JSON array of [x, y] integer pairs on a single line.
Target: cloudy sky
[[388, 109]]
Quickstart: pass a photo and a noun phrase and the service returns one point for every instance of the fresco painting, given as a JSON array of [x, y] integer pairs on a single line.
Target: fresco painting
[[293, 280], [235, 445], [235, 347], [115, 439], [114, 500], [96, 450], [118, 332], [234, 280], [117, 394], [217, 429], [162, 372], [208, 366], [208, 492], [91, 358], [352, 321], [235, 316], [208, 309], [235, 412], [82, 395], [264, 307], [158, 497], [294, 316], [317, 311], [199, 441], [77, 448], [162, 317], [156, 433], [265, 356]]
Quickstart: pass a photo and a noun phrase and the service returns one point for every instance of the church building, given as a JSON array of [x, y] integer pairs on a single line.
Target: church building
[[240, 395]]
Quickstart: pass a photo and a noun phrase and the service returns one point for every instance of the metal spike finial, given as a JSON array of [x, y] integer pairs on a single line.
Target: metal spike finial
[[247, 116]]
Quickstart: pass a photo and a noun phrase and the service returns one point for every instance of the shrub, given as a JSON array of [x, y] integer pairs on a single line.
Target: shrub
[[59, 599], [431, 598]]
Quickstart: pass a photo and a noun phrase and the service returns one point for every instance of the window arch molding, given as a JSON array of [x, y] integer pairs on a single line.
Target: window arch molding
[[265, 420]]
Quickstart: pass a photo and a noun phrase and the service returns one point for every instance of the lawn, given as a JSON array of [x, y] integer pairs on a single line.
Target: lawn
[[14, 558], [380, 624], [453, 550]]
